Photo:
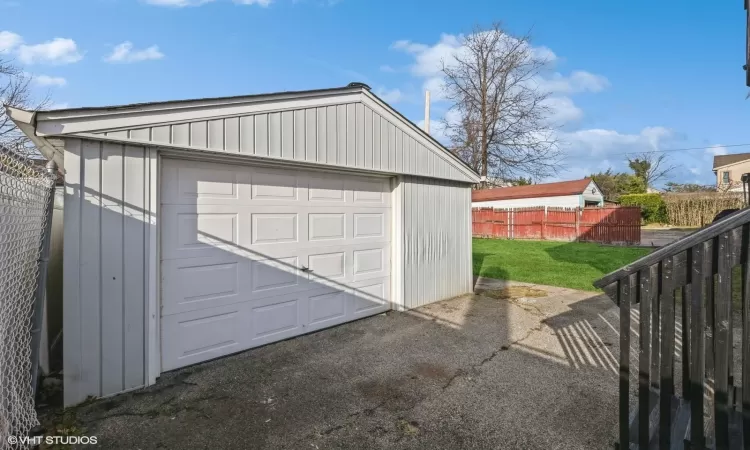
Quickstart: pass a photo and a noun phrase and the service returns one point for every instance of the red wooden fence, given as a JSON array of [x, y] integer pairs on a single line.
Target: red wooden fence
[[605, 225]]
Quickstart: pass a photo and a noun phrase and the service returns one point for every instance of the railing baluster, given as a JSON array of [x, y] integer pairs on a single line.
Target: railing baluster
[[645, 296], [681, 271], [711, 250], [667, 353], [721, 341], [746, 338], [624, 300], [656, 329], [697, 347]]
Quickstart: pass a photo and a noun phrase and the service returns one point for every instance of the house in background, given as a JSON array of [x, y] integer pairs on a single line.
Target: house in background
[[569, 194], [729, 170]]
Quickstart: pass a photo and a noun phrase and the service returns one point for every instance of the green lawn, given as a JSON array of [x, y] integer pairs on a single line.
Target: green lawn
[[567, 264]]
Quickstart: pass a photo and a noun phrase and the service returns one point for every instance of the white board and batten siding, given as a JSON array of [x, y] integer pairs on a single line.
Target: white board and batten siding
[[352, 135], [436, 240], [126, 241], [109, 210]]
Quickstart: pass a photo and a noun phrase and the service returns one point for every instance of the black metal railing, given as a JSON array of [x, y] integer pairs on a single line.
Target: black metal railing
[[699, 285]]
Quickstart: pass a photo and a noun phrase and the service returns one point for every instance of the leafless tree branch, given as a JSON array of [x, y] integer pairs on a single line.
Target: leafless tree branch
[[504, 129], [15, 91], [651, 167]]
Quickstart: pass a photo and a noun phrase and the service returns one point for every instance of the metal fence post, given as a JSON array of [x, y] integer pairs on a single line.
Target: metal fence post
[[41, 283]]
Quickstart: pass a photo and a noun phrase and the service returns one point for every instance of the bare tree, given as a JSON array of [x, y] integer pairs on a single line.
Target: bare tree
[[15, 90], [504, 128], [651, 167]]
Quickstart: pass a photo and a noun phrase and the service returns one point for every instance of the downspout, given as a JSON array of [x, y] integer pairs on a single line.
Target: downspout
[[41, 282]]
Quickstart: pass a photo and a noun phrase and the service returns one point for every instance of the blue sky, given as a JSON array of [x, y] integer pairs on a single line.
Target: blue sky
[[625, 76]]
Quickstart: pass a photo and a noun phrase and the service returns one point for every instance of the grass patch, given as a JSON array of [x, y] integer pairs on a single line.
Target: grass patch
[[574, 265]]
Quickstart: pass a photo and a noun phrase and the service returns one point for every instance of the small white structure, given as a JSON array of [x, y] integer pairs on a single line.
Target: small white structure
[[195, 229], [566, 194]]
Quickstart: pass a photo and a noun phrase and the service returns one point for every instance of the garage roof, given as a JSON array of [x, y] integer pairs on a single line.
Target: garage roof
[[196, 125], [532, 191]]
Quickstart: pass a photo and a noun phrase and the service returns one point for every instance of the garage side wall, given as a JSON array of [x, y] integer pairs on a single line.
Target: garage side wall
[[437, 240], [109, 216]]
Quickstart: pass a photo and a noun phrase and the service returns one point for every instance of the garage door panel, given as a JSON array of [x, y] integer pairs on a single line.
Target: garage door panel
[[189, 232], [234, 245], [274, 227], [328, 308], [326, 226], [275, 186], [196, 336], [371, 297], [275, 276], [369, 225], [200, 283], [276, 318], [326, 190], [370, 263], [194, 183], [370, 191]]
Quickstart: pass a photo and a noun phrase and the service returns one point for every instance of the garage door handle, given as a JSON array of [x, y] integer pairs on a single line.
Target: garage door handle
[[306, 269]]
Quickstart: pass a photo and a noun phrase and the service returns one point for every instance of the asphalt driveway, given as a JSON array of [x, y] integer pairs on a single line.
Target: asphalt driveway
[[656, 237], [471, 372]]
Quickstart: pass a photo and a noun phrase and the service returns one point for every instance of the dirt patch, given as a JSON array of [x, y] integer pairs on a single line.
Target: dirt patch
[[407, 428], [512, 292]]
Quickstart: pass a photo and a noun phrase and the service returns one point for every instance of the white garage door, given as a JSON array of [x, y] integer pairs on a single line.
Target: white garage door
[[255, 255]]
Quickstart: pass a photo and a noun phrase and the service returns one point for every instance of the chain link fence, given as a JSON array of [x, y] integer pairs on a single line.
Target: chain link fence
[[26, 190]]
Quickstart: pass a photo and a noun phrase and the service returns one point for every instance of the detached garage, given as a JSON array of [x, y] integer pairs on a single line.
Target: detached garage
[[196, 229]]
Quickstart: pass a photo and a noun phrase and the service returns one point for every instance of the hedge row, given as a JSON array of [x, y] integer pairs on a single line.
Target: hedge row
[[653, 208], [699, 209]]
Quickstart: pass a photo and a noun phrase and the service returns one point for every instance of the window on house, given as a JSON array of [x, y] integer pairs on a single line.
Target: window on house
[[725, 177]]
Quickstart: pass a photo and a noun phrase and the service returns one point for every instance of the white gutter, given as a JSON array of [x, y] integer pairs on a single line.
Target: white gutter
[[26, 122]]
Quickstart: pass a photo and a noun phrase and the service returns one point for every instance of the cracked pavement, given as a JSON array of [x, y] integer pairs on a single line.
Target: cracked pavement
[[470, 372]]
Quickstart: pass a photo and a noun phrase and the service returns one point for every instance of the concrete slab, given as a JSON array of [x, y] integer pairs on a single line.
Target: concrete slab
[[470, 372]]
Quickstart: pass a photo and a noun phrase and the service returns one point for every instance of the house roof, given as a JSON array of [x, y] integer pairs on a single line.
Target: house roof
[[532, 191], [725, 160]]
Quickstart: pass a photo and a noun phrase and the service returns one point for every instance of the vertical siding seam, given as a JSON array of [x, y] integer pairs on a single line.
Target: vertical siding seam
[[147, 242], [81, 187], [122, 268], [99, 267]]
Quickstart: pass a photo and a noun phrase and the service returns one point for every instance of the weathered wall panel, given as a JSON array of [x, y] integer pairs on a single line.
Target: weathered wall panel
[[437, 240], [105, 267]]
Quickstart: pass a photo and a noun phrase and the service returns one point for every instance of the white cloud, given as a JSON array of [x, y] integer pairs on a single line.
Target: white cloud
[[46, 80], [124, 53], [563, 110], [695, 170], [610, 143], [9, 41], [390, 96], [386, 68], [716, 150], [56, 51], [578, 81]]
